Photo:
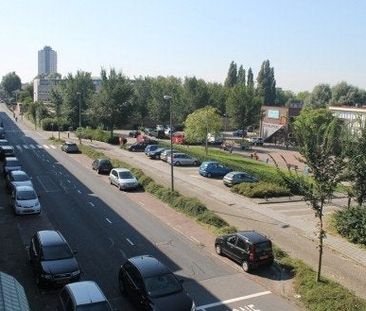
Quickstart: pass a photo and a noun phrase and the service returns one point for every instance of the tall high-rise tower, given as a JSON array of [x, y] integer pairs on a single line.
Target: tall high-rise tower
[[47, 61]]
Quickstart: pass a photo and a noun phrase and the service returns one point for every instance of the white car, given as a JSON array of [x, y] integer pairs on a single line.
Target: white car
[[123, 179], [25, 200]]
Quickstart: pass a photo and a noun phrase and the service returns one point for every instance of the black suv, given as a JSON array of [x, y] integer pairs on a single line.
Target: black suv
[[152, 286], [102, 166], [52, 259], [249, 248], [138, 146]]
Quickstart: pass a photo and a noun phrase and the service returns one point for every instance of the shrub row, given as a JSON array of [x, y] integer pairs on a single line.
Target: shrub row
[[189, 206], [261, 190], [52, 124], [97, 134], [351, 224]]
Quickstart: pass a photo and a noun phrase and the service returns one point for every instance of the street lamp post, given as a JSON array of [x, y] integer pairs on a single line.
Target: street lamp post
[[79, 95], [168, 99]]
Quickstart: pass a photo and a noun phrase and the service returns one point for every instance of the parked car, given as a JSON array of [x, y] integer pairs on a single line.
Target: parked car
[[11, 164], [6, 151], [4, 142], [85, 295], [165, 154], [52, 259], [213, 169], [123, 179], [148, 130], [240, 133], [138, 146], [182, 159], [2, 133], [215, 139], [155, 154], [134, 133], [152, 286], [70, 147], [24, 200], [257, 141], [150, 148], [249, 248], [102, 166], [234, 178], [17, 178], [157, 133]]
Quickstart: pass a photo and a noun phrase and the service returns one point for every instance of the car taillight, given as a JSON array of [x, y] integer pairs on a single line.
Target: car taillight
[[251, 252]]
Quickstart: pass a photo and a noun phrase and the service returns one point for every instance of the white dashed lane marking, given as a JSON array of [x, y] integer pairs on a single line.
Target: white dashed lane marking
[[107, 219]]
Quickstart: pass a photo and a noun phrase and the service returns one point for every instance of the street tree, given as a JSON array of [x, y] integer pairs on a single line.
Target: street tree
[[266, 83], [112, 105], [320, 97], [195, 93], [26, 94], [57, 105], [250, 79], [200, 123], [321, 142], [77, 93], [218, 95], [242, 107], [11, 83], [36, 112], [346, 94], [241, 75], [232, 75]]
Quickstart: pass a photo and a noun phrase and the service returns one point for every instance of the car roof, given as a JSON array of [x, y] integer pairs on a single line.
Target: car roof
[[252, 236], [121, 169], [24, 188], [149, 266], [11, 159], [86, 292], [50, 237], [69, 143], [18, 172], [7, 147]]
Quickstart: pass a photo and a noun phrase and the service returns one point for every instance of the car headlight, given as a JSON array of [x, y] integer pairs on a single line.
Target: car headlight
[[193, 308], [37, 204], [77, 272]]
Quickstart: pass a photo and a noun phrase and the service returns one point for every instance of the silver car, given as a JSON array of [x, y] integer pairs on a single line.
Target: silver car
[[11, 164], [24, 200], [17, 178], [166, 154], [182, 159], [123, 179]]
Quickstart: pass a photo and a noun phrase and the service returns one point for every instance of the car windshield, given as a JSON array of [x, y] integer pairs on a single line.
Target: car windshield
[[125, 175], [21, 177], [26, 195], [99, 306], [104, 162], [13, 163], [55, 252], [262, 247], [71, 145], [162, 285]]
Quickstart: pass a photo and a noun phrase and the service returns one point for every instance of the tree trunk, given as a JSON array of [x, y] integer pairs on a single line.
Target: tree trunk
[[206, 144], [321, 237]]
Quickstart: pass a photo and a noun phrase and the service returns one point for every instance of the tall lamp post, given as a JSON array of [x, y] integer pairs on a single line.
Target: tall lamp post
[[168, 98], [79, 95]]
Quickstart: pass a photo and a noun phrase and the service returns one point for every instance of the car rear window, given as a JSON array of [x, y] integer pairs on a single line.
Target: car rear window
[[162, 285], [263, 246], [56, 252]]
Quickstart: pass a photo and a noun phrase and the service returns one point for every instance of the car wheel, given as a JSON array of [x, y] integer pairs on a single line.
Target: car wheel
[[245, 266], [177, 163], [110, 181], [218, 249], [195, 163], [209, 175], [98, 171], [121, 286], [120, 187], [133, 149]]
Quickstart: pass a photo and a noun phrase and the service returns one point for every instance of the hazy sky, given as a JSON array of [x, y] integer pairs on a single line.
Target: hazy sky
[[307, 41]]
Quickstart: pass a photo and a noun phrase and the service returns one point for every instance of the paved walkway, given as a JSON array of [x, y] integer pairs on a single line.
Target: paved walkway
[[342, 261]]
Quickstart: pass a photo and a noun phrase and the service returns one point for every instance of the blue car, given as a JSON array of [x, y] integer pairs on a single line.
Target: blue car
[[213, 169], [150, 148]]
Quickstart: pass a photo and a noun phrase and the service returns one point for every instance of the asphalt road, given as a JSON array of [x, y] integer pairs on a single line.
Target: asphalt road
[[105, 227]]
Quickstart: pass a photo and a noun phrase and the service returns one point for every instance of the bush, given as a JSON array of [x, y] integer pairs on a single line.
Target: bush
[[261, 190], [226, 230], [193, 207], [113, 140], [212, 219], [96, 134], [47, 124], [351, 224]]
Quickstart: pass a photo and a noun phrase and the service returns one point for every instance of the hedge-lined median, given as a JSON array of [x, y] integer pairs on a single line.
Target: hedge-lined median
[[97, 134], [189, 206], [261, 190]]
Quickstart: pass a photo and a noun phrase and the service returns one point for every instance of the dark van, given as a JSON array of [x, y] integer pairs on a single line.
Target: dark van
[[249, 248]]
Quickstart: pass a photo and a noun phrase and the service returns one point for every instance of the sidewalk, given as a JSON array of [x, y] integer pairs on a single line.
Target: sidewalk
[[342, 260]]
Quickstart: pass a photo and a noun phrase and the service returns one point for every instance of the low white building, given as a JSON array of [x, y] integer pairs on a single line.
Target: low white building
[[354, 116]]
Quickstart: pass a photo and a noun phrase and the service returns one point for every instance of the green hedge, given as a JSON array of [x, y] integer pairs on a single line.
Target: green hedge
[[47, 124], [351, 224], [261, 190], [97, 134]]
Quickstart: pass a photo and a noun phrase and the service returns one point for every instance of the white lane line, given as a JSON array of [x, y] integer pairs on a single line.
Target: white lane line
[[60, 173], [39, 147], [92, 204], [69, 181], [25, 147], [123, 253], [219, 303], [18, 147], [78, 191], [194, 239], [47, 160], [139, 202], [53, 147], [53, 166], [107, 219], [32, 146], [130, 242], [46, 146]]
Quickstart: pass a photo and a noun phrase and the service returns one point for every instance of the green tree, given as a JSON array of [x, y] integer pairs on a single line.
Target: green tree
[[302, 96], [36, 112], [26, 94], [320, 97], [200, 123], [232, 75], [77, 93], [266, 83], [346, 94], [57, 103], [250, 80], [321, 142], [242, 107], [284, 97], [11, 83], [195, 93], [141, 96], [241, 75], [112, 105], [218, 96]]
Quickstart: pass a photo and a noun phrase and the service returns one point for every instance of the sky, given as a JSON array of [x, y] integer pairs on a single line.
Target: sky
[[307, 41]]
